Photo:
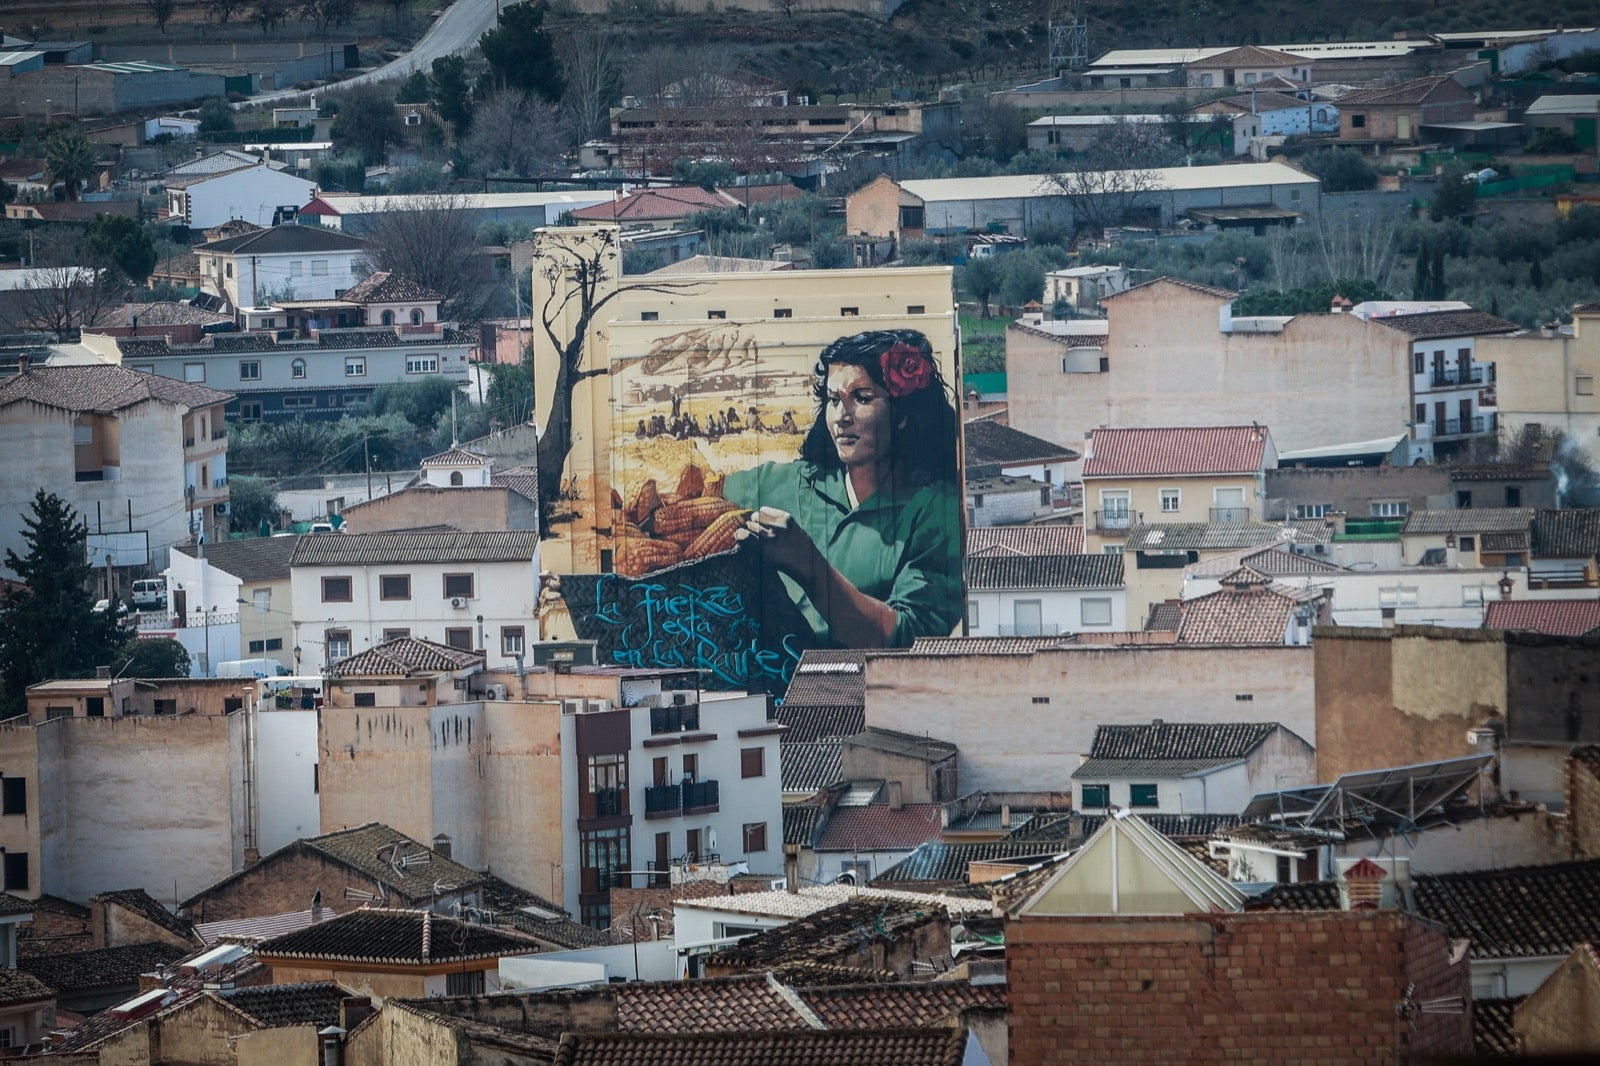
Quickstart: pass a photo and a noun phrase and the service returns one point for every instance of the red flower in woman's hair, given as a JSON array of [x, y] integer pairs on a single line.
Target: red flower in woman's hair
[[905, 369]]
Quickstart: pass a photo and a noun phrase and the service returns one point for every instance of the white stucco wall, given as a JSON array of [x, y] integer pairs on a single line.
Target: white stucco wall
[[287, 808]]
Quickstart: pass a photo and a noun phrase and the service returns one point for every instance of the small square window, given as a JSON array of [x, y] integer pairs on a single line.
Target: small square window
[[337, 644], [1094, 612], [1585, 385], [1096, 797], [459, 638], [1358, 122], [1171, 500], [194, 371], [1469, 544], [355, 366], [319, 268], [458, 586], [396, 634], [512, 640], [649, 316], [366, 699], [394, 587], [250, 411], [336, 590], [752, 762], [14, 795], [755, 837], [250, 370], [1143, 796]]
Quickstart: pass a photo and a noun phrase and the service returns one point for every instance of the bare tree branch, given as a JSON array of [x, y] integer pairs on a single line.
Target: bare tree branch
[[1112, 182], [435, 245]]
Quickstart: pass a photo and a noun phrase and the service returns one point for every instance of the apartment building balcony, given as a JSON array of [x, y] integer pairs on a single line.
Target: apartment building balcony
[[1230, 514], [700, 797], [1041, 629], [1455, 377], [1464, 427], [663, 801], [1116, 521], [607, 803]]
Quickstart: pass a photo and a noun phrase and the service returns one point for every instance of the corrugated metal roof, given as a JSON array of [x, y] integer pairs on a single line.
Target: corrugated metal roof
[[1163, 179]]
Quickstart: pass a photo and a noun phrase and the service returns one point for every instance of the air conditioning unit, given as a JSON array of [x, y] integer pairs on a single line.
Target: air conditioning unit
[[496, 692], [458, 602]]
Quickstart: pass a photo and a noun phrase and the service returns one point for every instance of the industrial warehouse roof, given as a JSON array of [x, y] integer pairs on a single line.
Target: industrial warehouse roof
[[1163, 179]]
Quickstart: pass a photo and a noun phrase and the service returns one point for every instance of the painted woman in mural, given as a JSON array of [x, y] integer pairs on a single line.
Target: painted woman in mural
[[865, 526]]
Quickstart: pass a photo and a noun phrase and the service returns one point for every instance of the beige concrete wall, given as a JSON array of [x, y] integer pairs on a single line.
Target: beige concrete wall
[[197, 1036], [1562, 1016], [874, 209], [376, 765], [984, 704], [360, 982], [476, 509], [522, 815], [1326, 379], [172, 783], [295, 1045], [1394, 697], [1537, 379]]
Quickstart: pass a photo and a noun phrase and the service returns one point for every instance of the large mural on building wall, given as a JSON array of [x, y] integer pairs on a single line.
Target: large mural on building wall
[[767, 499]]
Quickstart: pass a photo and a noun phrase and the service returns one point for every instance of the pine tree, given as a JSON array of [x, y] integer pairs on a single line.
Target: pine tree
[[1436, 288], [49, 627], [1536, 274], [1419, 285]]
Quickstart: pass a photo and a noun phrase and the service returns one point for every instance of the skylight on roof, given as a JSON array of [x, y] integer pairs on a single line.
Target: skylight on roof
[[828, 668]]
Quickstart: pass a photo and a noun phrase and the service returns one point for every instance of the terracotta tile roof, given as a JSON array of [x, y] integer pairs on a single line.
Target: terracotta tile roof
[[801, 822], [357, 549], [286, 239], [1248, 55], [1245, 612], [902, 1047], [1570, 533], [507, 903], [719, 1004], [989, 573], [941, 863], [251, 559], [1494, 1026], [143, 904], [1209, 536], [250, 930], [1588, 757], [370, 848], [405, 657], [387, 287], [1024, 540], [1180, 740], [86, 971], [1560, 618], [1175, 451], [1414, 91], [985, 645], [18, 986], [396, 938], [1471, 520], [519, 479], [988, 443], [808, 767], [1304, 896], [456, 457], [810, 723], [1431, 325], [878, 827], [103, 388], [305, 1003], [1517, 912], [159, 313], [907, 1004], [1262, 101], [10, 905], [776, 193], [182, 265], [830, 678], [1165, 617], [649, 205], [831, 934], [1500, 471]]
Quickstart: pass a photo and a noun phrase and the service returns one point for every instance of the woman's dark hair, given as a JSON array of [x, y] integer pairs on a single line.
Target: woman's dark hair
[[923, 442]]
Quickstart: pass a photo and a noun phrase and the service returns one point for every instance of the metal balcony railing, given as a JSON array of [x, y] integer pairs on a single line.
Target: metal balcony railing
[[662, 801], [1039, 629], [1460, 427], [609, 802], [1230, 514], [1472, 375], [1116, 520], [678, 718], [700, 796]]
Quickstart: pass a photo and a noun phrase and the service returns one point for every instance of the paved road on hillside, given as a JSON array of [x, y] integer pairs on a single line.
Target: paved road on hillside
[[457, 30]]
